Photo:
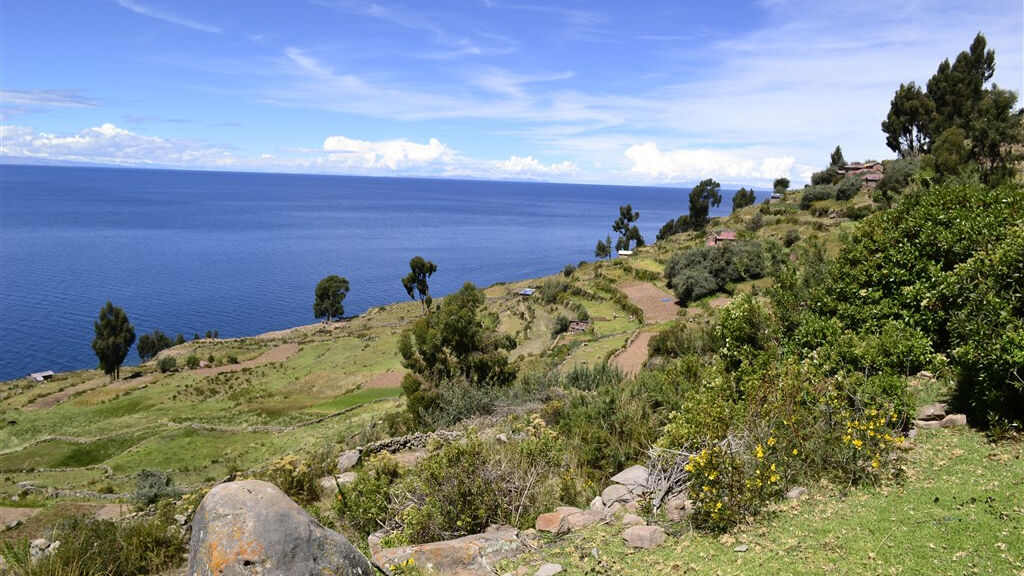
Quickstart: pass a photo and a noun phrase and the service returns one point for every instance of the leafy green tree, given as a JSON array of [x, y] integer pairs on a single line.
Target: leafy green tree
[[603, 248], [151, 344], [114, 338], [415, 282], [837, 159], [950, 151], [702, 197], [909, 121], [328, 297], [742, 199], [628, 232], [780, 184]]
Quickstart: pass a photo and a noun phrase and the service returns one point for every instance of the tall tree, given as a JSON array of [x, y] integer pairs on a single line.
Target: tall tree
[[837, 159], [704, 195], [328, 297], [628, 232], [114, 338], [909, 121], [415, 282], [780, 184], [742, 198]]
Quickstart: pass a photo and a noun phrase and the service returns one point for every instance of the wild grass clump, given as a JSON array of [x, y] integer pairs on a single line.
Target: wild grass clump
[[90, 547]]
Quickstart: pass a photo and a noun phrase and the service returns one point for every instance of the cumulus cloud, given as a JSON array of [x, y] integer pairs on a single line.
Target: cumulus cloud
[[390, 154], [109, 144], [652, 163], [528, 166]]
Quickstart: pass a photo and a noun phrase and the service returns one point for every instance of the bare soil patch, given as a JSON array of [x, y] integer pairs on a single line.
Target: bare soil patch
[[632, 358], [658, 305], [389, 379], [9, 515], [276, 354]]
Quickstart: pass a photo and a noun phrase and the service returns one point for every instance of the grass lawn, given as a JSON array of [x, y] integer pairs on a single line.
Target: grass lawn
[[959, 510]]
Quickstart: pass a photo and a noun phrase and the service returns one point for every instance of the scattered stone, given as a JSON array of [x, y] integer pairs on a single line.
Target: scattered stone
[[796, 492], [594, 554], [597, 503], [644, 536], [251, 527], [912, 433], [633, 520], [927, 423], [330, 484], [475, 555], [585, 518], [373, 541], [180, 519], [38, 549], [14, 525], [503, 438], [635, 478], [925, 375], [556, 522], [953, 421], [15, 498], [741, 548], [530, 538], [548, 570], [616, 493], [633, 506], [933, 411], [677, 507], [348, 459]]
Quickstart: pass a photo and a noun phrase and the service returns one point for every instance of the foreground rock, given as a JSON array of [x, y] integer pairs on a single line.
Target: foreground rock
[[475, 555], [251, 527], [644, 536]]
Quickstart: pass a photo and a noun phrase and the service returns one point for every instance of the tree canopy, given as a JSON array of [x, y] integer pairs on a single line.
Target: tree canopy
[[415, 282], [330, 292], [780, 184], [151, 344], [603, 248], [629, 233], [702, 197], [114, 338], [742, 198]]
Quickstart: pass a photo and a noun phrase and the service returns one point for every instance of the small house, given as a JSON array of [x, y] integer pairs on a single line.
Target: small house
[[625, 252], [41, 376], [714, 239], [526, 292], [577, 326]]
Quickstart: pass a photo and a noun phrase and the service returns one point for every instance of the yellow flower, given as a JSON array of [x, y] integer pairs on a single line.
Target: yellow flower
[[771, 441], [794, 452]]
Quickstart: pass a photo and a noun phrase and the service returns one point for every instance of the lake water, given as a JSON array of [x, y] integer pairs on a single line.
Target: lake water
[[240, 253]]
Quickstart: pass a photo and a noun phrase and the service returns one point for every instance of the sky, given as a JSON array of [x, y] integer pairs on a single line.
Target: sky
[[636, 93]]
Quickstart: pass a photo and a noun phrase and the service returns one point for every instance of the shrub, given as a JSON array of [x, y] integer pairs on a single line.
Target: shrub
[[816, 193], [561, 325], [167, 364], [192, 361], [551, 288], [568, 270], [792, 237], [848, 187], [152, 486], [681, 339], [699, 272], [364, 504], [299, 479], [232, 359], [93, 547]]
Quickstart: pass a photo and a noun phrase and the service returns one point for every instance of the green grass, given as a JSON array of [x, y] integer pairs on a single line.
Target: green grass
[[354, 398], [959, 510]]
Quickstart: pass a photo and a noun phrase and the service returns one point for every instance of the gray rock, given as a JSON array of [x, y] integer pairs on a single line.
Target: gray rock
[[925, 424], [633, 520], [635, 478], [741, 548], [348, 459], [644, 536], [38, 548], [503, 438], [912, 433], [180, 519], [677, 507], [251, 527], [597, 503], [616, 493], [329, 484], [475, 555], [15, 498], [548, 570], [796, 492], [953, 421], [933, 411], [585, 518]]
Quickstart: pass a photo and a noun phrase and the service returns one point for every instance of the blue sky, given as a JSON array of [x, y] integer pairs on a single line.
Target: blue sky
[[604, 92]]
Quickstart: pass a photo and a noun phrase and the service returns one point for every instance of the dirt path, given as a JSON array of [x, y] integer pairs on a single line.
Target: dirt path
[[9, 515], [658, 305], [632, 358], [51, 400], [276, 354]]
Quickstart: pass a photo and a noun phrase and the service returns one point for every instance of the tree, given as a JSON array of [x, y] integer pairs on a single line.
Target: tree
[[328, 297], [151, 344], [742, 198], [114, 338], [702, 197], [628, 232], [909, 121], [837, 159], [415, 282], [780, 184], [604, 248]]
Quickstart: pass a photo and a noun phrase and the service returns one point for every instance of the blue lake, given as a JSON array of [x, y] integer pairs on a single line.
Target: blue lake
[[240, 253]]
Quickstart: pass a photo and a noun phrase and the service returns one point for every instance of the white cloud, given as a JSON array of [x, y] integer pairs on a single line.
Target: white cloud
[[390, 154], [109, 144], [530, 167], [151, 12], [685, 165]]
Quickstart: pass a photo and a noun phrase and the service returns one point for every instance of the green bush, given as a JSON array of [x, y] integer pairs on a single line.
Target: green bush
[[364, 505], [700, 272], [298, 478], [90, 547], [167, 364], [192, 361], [816, 193], [568, 270], [561, 325], [682, 339], [848, 187], [551, 289], [152, 486], [792, 237]]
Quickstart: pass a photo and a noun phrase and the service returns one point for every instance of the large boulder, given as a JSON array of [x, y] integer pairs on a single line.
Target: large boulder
[[644, 536], [251, 528], [475, 555], [636, 478], [932, 411]]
